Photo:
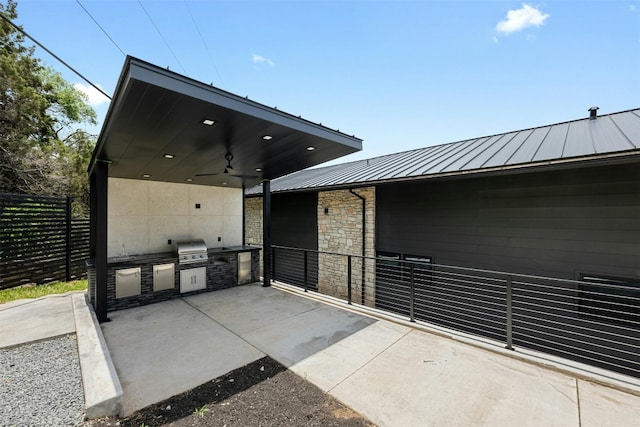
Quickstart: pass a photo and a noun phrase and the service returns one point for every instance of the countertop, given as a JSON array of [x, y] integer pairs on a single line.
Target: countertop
[[169, 256]]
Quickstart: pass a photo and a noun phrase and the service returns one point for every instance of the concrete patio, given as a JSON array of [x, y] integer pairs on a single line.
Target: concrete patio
[[391, 373]]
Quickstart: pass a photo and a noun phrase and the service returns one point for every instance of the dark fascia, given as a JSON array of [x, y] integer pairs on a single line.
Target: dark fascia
[[136, 69]]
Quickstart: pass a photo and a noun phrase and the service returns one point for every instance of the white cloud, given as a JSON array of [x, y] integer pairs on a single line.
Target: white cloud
[[95, 98], [259, 59], [519, 19]]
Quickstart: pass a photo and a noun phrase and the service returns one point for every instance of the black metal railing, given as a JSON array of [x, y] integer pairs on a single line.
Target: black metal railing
[[596, 322]]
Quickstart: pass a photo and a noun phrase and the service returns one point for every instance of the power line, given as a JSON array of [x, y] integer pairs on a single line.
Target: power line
[[100, 26], [195, 24], [161, 36], [54, 55]]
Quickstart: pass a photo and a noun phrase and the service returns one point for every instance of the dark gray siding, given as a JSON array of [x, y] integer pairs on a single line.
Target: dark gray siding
[[550, 224], [555, 224], [294, 223]]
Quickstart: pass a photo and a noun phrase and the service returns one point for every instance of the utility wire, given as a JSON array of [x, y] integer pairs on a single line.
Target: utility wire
[[54, 55], [161, 36], [195, 24], [100, 26]]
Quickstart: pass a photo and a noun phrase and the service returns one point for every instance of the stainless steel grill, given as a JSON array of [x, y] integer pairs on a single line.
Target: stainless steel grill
[[192, 251]]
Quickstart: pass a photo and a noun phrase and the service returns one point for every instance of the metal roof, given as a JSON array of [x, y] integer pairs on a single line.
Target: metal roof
[[154, 130], [611, 137]]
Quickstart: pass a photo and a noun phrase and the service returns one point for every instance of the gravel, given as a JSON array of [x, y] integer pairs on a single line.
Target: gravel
[[41, 384]]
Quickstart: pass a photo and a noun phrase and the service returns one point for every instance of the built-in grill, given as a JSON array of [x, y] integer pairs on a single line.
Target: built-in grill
[[192, 251]]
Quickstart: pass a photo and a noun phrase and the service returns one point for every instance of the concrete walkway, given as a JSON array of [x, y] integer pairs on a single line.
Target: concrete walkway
[[392, 373], [31, 320]]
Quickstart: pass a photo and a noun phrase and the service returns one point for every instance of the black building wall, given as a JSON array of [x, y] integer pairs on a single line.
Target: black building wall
[[294, 223], [555, 224]]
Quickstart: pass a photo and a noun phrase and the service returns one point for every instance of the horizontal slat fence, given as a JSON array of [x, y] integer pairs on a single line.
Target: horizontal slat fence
[[39, 241]]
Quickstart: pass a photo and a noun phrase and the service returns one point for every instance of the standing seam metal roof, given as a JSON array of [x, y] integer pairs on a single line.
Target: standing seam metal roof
[[578, 140]]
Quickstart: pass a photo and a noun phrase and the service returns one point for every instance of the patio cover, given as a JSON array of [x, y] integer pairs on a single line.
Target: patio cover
[[155, 112], [156, 129]]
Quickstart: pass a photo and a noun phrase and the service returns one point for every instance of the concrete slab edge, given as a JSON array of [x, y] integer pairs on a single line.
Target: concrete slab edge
[[33, 341], [580, 371], [102, 388], [17, 303]]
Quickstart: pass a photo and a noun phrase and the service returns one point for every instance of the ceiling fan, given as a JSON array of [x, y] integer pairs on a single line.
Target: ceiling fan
[[228, 170]]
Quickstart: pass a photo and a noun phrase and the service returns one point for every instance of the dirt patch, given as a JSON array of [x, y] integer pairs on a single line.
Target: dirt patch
[[263, 393]]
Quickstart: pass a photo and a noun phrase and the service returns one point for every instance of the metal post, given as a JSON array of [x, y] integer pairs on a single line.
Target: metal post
[[101, 189], [306, 273], [412, 296], [273, 265], [364, 239], [93, 229], [349, 279], [509, 313], [244, 217], [266, 232], [68, 251]]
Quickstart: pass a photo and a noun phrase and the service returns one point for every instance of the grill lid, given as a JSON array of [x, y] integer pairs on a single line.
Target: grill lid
[[191, 246], [192, 251]]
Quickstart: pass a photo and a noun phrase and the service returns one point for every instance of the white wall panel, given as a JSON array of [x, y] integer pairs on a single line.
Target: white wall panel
[[168, 198], [144, 215], [211, 200]]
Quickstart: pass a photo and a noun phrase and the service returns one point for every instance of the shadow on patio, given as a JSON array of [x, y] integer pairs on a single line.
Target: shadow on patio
[[392, 373]]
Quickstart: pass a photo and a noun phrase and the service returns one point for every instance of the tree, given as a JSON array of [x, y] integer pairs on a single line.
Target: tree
[[40, 151]]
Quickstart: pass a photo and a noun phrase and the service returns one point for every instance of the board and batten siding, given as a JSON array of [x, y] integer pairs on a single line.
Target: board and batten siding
[[294, 223], [556, 223]]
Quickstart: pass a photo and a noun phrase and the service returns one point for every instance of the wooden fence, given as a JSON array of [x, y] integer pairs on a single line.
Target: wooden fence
[[39, 240]]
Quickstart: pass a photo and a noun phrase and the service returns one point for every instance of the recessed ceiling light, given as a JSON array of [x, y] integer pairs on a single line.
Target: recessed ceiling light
[[146, 175], [169, 156], [267, 137], [208, 122], [311, 148], [258, 169], [224, 183], [189, 179]]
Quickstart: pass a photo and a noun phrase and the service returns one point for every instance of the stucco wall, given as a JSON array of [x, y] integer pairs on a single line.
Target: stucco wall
[[144, 215], [340, 231]]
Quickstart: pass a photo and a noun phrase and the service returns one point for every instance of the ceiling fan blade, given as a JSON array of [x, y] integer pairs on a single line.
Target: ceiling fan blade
[[229, 170], [208, 174]]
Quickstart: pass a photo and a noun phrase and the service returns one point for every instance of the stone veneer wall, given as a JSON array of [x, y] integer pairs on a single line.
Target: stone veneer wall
[[253, 223], [340, 231]]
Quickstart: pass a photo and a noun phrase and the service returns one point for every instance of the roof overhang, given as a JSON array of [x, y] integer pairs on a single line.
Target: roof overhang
[[156, 112]]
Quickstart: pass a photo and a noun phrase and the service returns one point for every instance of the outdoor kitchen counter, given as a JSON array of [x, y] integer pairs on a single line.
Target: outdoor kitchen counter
[[221, 272], [134, 260]]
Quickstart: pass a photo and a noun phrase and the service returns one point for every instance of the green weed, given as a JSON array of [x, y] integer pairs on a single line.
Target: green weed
[[200, 411], [37, 291]]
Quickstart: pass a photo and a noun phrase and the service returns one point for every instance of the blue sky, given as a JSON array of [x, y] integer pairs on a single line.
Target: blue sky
[[398, 74]]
